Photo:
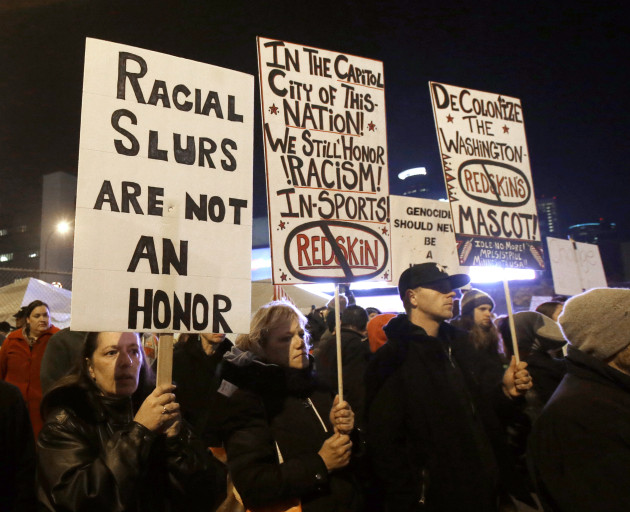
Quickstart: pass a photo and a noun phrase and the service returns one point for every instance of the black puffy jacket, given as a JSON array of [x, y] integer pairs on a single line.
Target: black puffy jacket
[[271, 409], [92, 456]]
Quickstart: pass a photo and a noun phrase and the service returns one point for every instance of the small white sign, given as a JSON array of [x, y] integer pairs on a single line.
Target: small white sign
[[422, 231], [575, 268]]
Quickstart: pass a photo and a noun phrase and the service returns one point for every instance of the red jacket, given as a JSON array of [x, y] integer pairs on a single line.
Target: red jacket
[[20, 364]]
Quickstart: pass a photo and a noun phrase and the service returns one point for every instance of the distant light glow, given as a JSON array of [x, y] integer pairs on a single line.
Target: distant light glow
[[384, 303], [416, 171], [494, 274], [585, 224], [261, 263], [63, 227], [329, 288]]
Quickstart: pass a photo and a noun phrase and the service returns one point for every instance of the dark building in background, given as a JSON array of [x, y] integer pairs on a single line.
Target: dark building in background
[[19, 243], [548, 218], [549, 225], [594, 232], [29, 242]]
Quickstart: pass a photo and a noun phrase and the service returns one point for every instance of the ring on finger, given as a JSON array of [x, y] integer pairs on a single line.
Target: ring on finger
[[164, 409]]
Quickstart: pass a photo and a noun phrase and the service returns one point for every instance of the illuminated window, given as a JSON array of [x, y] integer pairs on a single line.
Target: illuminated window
[[22, 229], [4, 232], [33, 254], [7, 256]]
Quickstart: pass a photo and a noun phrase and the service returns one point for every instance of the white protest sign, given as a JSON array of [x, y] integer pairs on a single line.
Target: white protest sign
[[575, 269], [326, 160], [488, 178], [163, 222], [421, 231]]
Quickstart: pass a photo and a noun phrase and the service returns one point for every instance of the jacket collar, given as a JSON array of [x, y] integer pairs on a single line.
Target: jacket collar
[[588, 367], [245, 370]]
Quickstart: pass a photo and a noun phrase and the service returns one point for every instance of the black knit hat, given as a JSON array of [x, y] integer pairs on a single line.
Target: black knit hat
[[426, 274], [474, 298]]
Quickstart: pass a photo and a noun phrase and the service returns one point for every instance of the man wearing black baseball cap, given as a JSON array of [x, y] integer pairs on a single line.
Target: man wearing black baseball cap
[[432, 425]]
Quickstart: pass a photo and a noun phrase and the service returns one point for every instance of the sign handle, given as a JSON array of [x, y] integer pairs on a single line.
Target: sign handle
[[165, 360], [508, 301], [338, 339]]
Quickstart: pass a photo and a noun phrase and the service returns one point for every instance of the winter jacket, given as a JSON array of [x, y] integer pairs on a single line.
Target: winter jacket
[[355, 352], [272, 412], [93, 457], [579, 449], [434, 437], [17, 453], [196, 375], [20, 365]]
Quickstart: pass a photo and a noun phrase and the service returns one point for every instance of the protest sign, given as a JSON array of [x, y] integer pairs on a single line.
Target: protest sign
[[326, 159], [421, 231], [488, 180], [575, 266], [164, 195]]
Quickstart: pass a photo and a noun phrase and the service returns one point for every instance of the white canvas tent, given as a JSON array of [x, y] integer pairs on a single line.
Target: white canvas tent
[[262, 292], [23, 291]]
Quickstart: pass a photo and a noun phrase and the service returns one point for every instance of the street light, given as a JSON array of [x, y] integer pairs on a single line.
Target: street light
[[61, 228]]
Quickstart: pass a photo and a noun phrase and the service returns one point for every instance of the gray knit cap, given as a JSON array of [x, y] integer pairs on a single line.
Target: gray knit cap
[[597, 322], [474, 298]]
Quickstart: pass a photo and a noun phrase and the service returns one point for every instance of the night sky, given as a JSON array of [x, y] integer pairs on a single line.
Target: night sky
[[566, 64]]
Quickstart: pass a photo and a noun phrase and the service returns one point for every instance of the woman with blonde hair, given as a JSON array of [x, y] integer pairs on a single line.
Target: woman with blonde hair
[[287, 439]]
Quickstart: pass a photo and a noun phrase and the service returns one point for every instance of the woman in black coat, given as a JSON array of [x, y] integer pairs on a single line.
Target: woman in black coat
[[109, 443], [286, 439]]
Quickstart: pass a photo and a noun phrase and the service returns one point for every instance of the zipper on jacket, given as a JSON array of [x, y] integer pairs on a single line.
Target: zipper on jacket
[[308, 403], [423, 489]]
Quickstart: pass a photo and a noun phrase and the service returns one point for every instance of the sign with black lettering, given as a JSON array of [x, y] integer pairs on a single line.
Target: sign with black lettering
[[575, 266], [422, 231], [488, 179], [326, 160], [164, 195]]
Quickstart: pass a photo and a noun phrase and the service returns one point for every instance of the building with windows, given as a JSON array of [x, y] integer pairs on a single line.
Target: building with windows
[[548, 218], [29, 240]]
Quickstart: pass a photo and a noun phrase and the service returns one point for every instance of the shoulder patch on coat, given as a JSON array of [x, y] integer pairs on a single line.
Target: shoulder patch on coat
[[227, 388]]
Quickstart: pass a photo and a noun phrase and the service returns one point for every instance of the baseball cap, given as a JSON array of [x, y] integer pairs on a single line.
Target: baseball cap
[[428, 273]]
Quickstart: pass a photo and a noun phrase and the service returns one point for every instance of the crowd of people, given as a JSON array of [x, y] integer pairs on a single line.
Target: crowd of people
[[437, 412]]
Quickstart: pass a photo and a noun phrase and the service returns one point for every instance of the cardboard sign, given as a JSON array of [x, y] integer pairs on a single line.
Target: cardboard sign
[[163, 222], [326, 160], [422, 231], [488, 178], [575, 266]]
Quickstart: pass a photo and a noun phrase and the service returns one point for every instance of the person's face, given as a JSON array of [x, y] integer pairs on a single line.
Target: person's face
[[39, 320], [116, 362], [209, 341], [483, 316], [622, 361], [285, 346], [557, 312], [434, 302]]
